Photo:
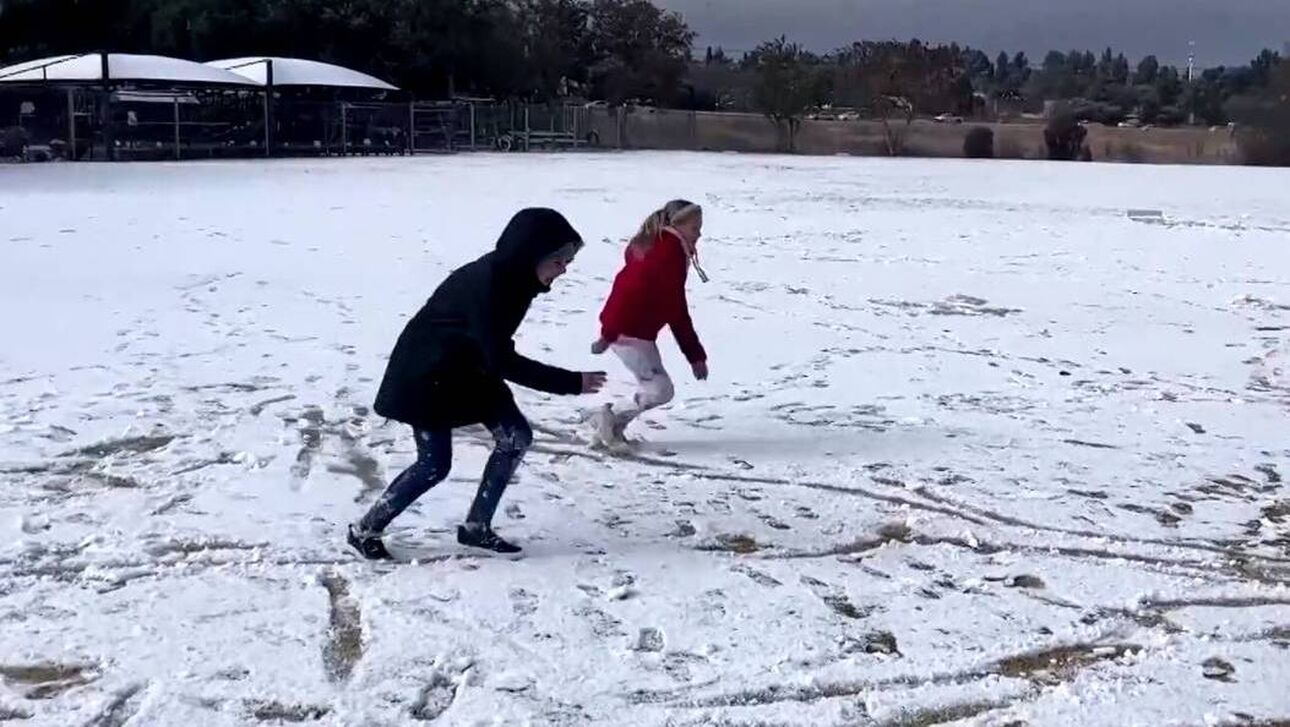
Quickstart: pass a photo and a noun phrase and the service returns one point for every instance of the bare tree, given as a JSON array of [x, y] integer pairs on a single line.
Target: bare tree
[[897, 80], [788, 85]]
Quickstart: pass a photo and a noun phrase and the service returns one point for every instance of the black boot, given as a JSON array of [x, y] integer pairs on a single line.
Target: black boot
[[368, 545], [482, 536]]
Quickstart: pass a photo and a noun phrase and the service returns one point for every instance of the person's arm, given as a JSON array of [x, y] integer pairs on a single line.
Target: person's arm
[[500, 357], [683, 331], [539, 376], [670, 272], [481, 328], [611, 317]]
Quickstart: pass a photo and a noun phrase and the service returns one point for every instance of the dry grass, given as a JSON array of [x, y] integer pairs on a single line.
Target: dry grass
[[665, 129], [1060, 664]]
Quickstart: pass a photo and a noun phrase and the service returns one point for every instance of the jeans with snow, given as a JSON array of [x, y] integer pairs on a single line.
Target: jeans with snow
[[512, 435]]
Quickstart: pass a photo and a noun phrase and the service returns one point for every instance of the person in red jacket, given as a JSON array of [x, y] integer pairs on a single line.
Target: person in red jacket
[[648, 294]]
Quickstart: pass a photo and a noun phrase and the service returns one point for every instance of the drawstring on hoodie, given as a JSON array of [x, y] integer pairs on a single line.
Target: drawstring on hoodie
[[694, 262], [691, 253]]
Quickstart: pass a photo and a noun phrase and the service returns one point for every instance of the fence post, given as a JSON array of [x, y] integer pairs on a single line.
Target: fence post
[[176, 100], [344, 129], [109, 142], [268, 107], [71, 120], [448, 121], [412, 128]]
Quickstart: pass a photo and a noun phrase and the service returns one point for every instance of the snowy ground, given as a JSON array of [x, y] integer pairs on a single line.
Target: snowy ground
[[979, 448]]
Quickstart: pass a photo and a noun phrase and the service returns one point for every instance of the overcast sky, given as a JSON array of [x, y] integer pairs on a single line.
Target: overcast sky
[[1225, 31]]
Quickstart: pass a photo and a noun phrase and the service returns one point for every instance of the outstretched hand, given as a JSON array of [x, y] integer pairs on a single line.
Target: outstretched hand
[[700, 370], [593, 381]]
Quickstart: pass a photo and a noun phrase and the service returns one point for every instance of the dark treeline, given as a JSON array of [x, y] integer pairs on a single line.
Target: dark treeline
[[959, 80], [897, 80], [533, 49]]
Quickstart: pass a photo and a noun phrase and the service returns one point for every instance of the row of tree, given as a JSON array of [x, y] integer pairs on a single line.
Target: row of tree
[[964, 81], [892, 79]]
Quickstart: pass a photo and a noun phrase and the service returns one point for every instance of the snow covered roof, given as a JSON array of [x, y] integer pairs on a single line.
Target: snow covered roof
[[88, 67], [300, 72]]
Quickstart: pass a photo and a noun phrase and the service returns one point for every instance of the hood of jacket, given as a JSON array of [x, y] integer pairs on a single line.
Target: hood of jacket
[[530, 236]]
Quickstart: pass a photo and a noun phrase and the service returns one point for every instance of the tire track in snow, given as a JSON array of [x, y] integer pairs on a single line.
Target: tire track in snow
[[1051, 666], [938, 504]]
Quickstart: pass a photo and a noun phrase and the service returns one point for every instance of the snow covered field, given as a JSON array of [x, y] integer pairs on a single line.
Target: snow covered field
[[980, 447]]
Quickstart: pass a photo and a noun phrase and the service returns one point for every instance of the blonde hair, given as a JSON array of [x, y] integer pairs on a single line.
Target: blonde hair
[[674, 212]]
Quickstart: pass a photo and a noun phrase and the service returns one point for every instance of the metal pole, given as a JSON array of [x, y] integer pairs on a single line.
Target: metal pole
[[266, 121], [177, 155], [472, 126], [106, 110], [1191, 86], [412, 127], [268, 107], [71, 120], [344, 129], [448, 122]]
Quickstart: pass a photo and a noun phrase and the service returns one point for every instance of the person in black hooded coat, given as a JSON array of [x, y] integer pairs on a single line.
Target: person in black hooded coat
[[450, 366]]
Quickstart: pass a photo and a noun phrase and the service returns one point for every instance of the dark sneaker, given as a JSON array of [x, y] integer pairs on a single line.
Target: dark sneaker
[[484, 537], [368, 545]]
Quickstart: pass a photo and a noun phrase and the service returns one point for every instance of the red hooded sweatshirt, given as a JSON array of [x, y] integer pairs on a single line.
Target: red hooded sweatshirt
[[649, 293]]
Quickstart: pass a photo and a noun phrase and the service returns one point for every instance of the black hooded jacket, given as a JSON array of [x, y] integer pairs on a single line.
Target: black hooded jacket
[[450, 363]]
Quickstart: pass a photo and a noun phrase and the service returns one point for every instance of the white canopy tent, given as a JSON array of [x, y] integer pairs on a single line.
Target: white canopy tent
[[121, 78], [266, 70], [311, 106], [273, 73], [101, 67]]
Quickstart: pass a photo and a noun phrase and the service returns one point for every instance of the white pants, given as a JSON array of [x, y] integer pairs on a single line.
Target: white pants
[[655, 386]]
